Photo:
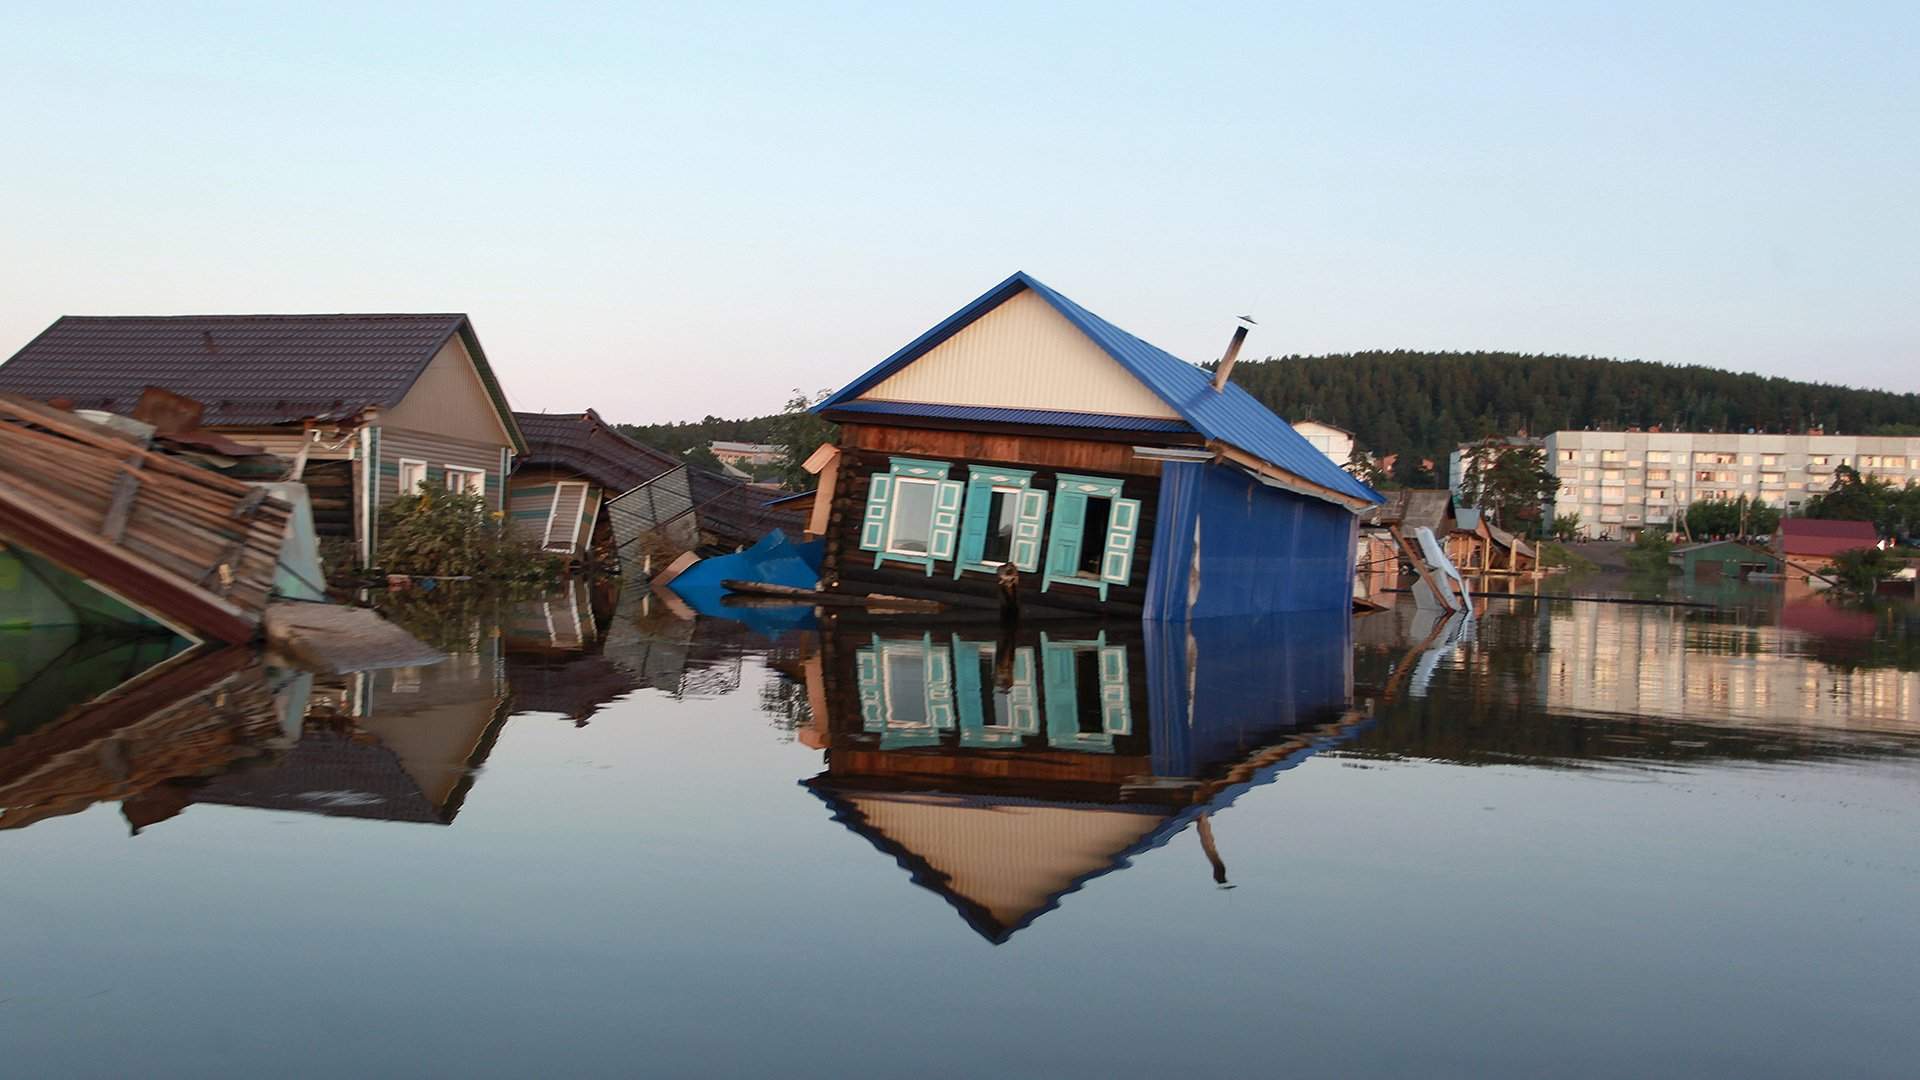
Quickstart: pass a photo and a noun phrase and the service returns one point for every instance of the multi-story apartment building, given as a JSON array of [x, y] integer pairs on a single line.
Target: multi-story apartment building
[[1622, 481], [1336, 443]]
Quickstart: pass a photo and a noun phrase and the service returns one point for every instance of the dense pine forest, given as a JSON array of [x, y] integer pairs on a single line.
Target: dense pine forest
[[1423, 404]]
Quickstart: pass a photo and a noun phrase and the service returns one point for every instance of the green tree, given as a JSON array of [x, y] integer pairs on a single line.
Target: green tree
[[799, 431], [1508, 482], [1566, 526], [1859, 570], [1365, 469]]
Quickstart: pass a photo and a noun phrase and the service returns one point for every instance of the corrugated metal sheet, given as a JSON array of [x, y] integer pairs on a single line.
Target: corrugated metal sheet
[[1231, 415], [1262, 550], [988, 414]]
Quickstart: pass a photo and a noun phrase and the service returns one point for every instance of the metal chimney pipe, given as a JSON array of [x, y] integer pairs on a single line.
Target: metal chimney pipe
[[1226, 362]]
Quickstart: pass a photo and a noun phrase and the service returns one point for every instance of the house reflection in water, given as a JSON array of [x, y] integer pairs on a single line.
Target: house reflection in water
[[1006, 770]]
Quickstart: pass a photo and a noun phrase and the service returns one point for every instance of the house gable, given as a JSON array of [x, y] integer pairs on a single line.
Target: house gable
[[1022, 354], [449, 399]]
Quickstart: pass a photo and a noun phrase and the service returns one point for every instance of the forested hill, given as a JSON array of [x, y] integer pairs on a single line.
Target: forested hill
[[1424, 404]]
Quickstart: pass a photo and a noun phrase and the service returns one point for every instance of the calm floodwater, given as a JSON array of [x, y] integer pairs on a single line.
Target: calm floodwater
[[1567, 839]]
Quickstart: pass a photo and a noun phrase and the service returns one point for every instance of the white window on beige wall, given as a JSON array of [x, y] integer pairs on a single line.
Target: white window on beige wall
[[412, 475], [464, 481]]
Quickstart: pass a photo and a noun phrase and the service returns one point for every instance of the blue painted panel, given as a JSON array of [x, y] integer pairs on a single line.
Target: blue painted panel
[[1261, 550], [1217, 689]]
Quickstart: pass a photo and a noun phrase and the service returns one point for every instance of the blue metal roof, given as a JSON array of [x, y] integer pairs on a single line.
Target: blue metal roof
[[996, 414], [1230, 415]]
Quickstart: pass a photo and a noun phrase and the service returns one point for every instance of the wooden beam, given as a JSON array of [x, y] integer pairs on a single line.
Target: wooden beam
[[140, 581], [1291, 481]]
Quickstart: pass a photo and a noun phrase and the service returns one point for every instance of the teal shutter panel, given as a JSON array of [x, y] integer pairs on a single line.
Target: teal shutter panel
[[1063, 547], [973, 523], [1123, 527], [1028, 529], [946, 520], [1063, 719], [873, 528], [966, 688], [872, 714], [939, 686], [1023, 711], [1116, 708]]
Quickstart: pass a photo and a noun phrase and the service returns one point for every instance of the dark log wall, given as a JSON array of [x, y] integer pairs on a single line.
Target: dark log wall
[[865, 450], [1034, 769]]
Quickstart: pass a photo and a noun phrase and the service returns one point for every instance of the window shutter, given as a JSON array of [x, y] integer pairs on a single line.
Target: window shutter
[[1028, 529], [1116, 708], [1023, 711], [872, 715], [939, 686], [973, 523], [946, 520], [1063, 718], [873, 528], [1123, 526], [1063, 547]]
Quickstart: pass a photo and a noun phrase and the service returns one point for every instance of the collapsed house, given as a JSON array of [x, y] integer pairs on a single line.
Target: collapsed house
[[367, 407], [583, 489], [1024, 433]]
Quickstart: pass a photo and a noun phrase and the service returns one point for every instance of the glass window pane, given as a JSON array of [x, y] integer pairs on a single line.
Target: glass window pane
[[1003, 512], [911, 530]]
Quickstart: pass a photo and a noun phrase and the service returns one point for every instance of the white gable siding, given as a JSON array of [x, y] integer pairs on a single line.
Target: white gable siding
[[1023, 355]]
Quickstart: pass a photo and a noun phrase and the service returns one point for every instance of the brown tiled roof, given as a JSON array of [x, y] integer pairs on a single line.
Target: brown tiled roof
[[246, 369], [584, 443]]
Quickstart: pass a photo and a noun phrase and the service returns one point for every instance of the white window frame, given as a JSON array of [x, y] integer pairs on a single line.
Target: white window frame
[[893, 514], [573, 534], [1013, 494], [479, 482], [406, 488]]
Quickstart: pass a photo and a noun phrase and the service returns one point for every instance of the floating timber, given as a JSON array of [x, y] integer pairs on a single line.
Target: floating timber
[[195, 549]]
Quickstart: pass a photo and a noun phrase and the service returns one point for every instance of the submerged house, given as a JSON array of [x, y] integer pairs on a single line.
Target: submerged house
[[1118, 479], [584, 487], [365, 406], [1812, 543], [1005, 769]]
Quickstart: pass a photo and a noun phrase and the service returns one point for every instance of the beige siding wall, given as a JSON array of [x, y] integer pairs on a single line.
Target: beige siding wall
[[1022, 354], [438, 452], [449, 399]]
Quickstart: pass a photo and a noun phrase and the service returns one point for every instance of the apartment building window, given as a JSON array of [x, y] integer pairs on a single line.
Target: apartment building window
[[1589, 457], [1660, 456], [1769, 459], [1746, 478], [1820, 459], [1746, 459], [1703, 476], [1590, 494], [1569, 455], [1613, 455], [1659, 474]]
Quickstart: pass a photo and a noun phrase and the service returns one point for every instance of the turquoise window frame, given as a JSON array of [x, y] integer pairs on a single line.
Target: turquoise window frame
[[1062, 690], [878, 694], [1023, 716], [1066, 539], [877, 523], [1029, 521]]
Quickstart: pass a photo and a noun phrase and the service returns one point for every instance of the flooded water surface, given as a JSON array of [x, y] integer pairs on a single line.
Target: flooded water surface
[[1563, 838]]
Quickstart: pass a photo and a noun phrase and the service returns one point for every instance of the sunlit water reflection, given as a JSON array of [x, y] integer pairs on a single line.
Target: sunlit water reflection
[[1566, 838]]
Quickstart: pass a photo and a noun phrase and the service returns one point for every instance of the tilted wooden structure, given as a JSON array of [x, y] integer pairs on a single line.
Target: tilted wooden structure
[[194, 549]]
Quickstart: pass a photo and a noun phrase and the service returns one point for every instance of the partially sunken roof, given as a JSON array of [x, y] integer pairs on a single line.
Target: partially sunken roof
[[246, 369], [1229, 415], [582, 442]]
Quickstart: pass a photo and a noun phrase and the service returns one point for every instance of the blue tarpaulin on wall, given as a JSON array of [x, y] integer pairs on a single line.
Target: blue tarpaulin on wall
[[1261, 550]]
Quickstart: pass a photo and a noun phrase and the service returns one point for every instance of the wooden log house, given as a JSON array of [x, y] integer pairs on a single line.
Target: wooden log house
[[1117, 479]]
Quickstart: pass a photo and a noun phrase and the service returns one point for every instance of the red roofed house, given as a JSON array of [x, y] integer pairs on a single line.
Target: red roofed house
[[1813, 542]]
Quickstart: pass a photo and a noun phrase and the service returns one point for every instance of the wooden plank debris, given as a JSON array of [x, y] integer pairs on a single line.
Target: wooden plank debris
[[195, 549]]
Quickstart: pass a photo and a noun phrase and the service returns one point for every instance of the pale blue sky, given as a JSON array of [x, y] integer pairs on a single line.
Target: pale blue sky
[[671, 212]]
